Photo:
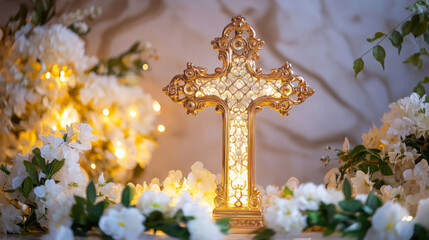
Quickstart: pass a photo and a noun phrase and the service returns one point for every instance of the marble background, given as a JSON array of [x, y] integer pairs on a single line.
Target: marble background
[[320, 38]]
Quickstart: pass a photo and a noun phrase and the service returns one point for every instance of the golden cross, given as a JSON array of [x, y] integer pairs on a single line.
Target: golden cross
[[238, 90]]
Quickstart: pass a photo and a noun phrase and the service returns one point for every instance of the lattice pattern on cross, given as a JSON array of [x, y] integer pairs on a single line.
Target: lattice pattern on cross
[[238, 90]]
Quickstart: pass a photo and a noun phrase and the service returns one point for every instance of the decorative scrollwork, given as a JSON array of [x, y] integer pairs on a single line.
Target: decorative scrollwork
[[220, 199], [238, 89]]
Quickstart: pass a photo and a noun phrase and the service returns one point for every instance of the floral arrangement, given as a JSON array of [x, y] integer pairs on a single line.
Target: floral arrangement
[[364, 216], [392, 160], [48, 82], [48, 190]]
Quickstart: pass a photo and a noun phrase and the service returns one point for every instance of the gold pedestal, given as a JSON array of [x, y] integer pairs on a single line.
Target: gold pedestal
[[242, 221]]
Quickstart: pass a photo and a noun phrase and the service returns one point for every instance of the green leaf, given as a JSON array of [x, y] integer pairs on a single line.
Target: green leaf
[[126, 196], [406, 28], [65, 137], [421, 26], [379, 54], [415, 60], [95, 212], [357, 149], [420, 232], [351, 206], [384, 168], [426, 37], [223, 224], [418, 7], [39, 160], [347, 189], [287, 192], [396, 39], [54, 167], [373, 202], [32, 172], [91, 193], [173, 229], [4, 169], [420, 89], [27, 186], [31, 220], [425, 80], [263, 234], [377, 35], [358, 66]]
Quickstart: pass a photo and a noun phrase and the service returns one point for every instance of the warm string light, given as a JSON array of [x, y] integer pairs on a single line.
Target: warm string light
[[69, 116], [106, 112], [93, 166], [161, 128], [119, 150], [133, 113], [48, 75], [156, 107], [145, 66], [54, 127], [407, 218]]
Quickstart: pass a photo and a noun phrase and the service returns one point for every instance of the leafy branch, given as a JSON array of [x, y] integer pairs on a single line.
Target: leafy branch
[[418, 26]]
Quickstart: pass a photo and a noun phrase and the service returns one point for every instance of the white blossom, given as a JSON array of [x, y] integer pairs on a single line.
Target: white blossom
[[390, 222], [151, 201], [126, 223], [309, 195], [361, 183], [422, 216], [10, 216], [284, 216]]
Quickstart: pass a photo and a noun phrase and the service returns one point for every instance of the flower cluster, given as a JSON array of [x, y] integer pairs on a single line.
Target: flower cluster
[[48, 82], [393, 159], [45, 190], [315, 207], [41, 180]]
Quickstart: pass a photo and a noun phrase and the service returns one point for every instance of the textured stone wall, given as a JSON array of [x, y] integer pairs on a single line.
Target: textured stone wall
[[320, 38]]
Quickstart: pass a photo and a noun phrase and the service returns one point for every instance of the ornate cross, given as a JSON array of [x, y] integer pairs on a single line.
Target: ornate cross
[[238, 90]]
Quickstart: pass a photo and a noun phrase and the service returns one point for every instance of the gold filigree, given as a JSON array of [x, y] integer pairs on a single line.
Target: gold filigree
[[238, 90]]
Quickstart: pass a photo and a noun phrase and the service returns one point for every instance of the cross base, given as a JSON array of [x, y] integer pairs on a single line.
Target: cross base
[[242, 221]]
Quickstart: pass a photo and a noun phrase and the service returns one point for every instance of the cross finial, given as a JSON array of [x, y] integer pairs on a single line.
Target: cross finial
[[238, 89]]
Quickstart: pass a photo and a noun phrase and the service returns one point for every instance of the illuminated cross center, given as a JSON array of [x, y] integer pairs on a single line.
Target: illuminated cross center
[[238, 90]]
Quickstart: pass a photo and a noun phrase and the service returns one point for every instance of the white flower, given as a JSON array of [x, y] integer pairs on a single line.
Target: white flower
[[201, 227], [361, 197], [292, 183], [112, 191], [151, 201], [204, 229], [59, 214], [361, 183], [333, 196], [346, 145], [84, 137], [9, 217], [309, 195], [54, 148], [61, 233], [48, 192], [284, 216], [390, 222], [331, 178], [173, 183], [126, 223], [422, 216]]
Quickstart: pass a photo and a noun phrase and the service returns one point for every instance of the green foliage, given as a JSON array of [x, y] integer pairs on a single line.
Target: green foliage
[[379, 54], [44, 10], [32, 172], [287, 192], [3, 168], [347, 189], [418, 25], [121, 64], [396, 39], [224, 225], [377, 35], [358, 66], [263, 234], [127, 196], [85, 213], [420, 232]]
